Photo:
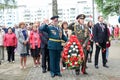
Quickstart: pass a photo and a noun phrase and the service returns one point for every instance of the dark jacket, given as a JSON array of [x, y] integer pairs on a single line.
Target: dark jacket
[[44, 38], [99, 35], [5, 29]]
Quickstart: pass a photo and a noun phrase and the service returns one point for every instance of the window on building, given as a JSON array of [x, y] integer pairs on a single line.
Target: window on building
[[60, 10], [72, 8], [59, 13]]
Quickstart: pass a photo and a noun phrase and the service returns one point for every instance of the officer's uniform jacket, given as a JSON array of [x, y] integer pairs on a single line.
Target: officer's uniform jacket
[[81, 31], [55, 35]]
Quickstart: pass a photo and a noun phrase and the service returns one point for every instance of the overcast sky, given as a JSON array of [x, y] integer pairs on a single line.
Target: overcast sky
[[35, 3]]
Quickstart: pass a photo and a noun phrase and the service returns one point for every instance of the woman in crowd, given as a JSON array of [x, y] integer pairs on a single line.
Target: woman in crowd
[[108, 45], [35, 41], [10, 42], [67, 33], [116, 32], [1, 45], [29, 28], [90, 27], [22, 44]]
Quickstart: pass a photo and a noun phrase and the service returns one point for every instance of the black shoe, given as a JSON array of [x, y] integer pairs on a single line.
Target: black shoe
[[106, 60], [105, 66], [85, 73], [96, 66], [48, 69], [89, 61], [44, 71], [52, 76], [77, 72], [60, 75]]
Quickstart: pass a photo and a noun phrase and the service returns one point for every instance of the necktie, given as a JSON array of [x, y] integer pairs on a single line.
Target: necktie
[[102, 26]]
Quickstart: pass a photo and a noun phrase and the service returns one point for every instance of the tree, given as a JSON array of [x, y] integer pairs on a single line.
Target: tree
[[108, 7], [54, 7], [6, 4]]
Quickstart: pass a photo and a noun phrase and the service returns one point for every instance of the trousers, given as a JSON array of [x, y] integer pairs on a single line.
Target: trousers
[[54, 61], [11, 54]]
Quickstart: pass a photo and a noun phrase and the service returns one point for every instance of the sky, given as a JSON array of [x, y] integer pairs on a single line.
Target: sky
[[34, 3]]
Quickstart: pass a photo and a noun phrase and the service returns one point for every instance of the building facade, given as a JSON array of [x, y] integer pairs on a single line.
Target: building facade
[[66, 10]]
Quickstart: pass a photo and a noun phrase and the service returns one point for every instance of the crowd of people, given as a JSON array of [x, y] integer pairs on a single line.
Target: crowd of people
[[43, 41]]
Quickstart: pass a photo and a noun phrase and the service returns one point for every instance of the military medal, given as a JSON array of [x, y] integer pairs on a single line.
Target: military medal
[[53, 32]]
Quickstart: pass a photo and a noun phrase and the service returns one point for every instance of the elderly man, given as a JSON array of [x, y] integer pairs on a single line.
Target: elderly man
[[54, 45], [82, 33]]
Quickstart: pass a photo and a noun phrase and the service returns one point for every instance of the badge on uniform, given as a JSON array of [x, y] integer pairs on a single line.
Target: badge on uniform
[[53, 32], [86, 32]]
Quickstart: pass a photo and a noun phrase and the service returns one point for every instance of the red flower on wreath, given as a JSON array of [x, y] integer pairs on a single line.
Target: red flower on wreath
[[68, 64], [76, 59], [73, 63]]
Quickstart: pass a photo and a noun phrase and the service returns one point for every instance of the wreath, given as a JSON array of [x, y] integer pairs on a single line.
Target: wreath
[[72, 53]]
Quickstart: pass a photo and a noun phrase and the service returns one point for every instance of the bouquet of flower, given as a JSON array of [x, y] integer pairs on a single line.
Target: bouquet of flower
[[72, 53]]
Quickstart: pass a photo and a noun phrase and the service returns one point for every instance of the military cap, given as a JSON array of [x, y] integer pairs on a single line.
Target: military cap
[[54, 17], [81, 16]]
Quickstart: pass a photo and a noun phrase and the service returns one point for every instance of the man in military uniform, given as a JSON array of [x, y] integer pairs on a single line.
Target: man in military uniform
[[82, 33], [54, 45]]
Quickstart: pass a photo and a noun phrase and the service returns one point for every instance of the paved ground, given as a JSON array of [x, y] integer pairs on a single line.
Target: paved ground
[[12, 71]]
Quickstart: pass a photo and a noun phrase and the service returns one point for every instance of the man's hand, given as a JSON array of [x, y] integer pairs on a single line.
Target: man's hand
[[97, 43], [25, 42], [107, 42], [46, 21], [83, 45]]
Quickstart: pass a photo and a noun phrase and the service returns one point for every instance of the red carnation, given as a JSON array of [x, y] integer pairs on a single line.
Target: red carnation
[[73, 63], [76, 59], [68, 64], [71, 59]]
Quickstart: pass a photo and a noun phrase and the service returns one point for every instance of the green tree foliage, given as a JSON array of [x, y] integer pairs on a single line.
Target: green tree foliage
[[6, 4], [108, 7]]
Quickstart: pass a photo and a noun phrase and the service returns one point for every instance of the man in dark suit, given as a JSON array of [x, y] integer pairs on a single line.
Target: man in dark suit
[[100, 36], [44, 50]]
